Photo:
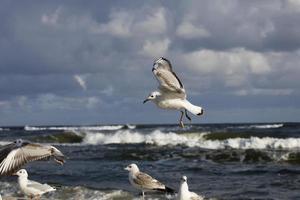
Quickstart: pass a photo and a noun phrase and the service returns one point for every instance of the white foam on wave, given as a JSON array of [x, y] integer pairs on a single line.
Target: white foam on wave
[[77, 128], [259, 126], [191, 139], [2, 143], [267, 126]]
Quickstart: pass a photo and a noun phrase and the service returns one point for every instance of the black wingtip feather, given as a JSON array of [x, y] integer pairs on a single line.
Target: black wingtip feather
[[167, 190]]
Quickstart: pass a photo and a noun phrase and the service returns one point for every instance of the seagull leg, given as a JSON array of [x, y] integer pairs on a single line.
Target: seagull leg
[[143, 194], [187, 116], [180, 120]]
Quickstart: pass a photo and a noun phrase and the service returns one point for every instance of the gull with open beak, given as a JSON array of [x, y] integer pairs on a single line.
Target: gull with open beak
[[20, 152]]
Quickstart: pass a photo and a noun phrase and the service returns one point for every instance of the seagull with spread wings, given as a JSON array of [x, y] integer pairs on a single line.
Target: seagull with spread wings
[[145, 182], [20, 152], [171, 94]]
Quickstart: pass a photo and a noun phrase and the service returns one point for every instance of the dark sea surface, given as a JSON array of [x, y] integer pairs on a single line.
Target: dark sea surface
[[221, 161]]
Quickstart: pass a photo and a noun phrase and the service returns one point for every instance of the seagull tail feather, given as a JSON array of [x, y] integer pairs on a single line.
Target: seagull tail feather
[[196, 110]]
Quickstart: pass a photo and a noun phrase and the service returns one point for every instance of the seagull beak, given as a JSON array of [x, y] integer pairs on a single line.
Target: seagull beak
[[126, 168], [146, 100], [15, 174]]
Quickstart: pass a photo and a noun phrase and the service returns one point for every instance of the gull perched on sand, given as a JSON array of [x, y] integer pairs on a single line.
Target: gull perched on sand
[[144, 182], [184, 193], [171, 94], [20, 152], [31, 188]]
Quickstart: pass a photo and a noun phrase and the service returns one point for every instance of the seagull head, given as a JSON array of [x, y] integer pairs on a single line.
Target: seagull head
[[18, 142], [133, 168], [161, 62], [21, 173], [152, 96], [183, 179], [58, 156]]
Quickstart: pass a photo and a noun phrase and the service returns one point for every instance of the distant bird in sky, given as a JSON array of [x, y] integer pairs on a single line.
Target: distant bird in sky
[[171, 94], [31, 188], [145, 182], [20, 152], [184, 193]]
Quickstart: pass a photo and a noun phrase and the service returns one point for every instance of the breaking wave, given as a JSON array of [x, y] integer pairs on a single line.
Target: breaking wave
[[10, 191], [267, 126], [79, 128], [191, 140], [260, 126]]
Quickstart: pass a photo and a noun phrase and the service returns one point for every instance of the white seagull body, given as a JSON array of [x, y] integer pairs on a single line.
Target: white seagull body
[[145, 182], [20, 152], [184, 193], [171, 94], [31, 188]]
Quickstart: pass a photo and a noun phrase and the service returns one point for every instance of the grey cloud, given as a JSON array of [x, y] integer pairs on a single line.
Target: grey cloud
[[227, 53]]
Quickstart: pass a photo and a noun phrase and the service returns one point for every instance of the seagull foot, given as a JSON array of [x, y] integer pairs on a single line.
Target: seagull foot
[[187, 116], [181, 124]]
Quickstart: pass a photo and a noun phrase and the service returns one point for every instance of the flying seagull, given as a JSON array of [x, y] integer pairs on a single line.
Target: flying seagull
[[31, 188], [145, 182], [171, 94], [184, 193], [20, 152]]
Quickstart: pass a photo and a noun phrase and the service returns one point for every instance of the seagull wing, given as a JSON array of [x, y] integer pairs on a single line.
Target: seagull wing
[[195, 196], [39, 186], [28, 152], [147, 182], [167, 79]]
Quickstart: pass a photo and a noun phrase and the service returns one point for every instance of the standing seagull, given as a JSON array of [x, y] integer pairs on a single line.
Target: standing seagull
[[184, 193], [171, 94], [144, 182], [31, 188], [20, 152]]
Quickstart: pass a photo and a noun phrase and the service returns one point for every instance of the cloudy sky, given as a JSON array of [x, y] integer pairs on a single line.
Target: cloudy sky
[[87, 62]]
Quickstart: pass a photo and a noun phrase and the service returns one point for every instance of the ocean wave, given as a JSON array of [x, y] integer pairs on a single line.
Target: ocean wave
[[11, 191], [267, 126], [79, 128], [259, 126], [191, 140]]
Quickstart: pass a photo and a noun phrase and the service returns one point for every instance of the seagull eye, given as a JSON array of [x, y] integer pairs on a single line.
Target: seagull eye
[[129, 166]]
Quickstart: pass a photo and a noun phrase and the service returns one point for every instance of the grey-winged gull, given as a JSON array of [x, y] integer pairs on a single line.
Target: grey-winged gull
[[171, 94], [20, 152], [145, 182]]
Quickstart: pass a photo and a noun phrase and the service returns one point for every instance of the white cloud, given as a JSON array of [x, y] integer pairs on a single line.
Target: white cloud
[[51, 101], [187, 30], [259, 91], [155, 22], [156, 48], [51, 19], [108, 91], [235, 61], [80, 80], [120, 24], [293, 5]]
